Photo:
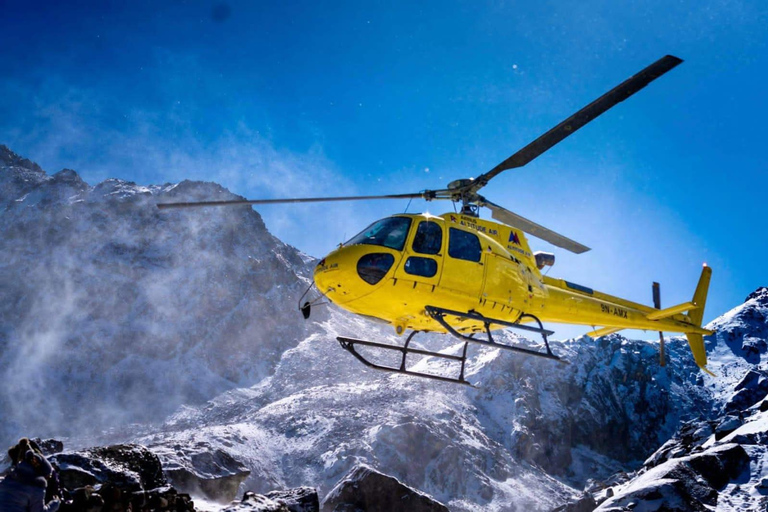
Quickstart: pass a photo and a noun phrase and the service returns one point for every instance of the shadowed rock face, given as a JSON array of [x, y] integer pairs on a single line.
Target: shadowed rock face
[[128, 467], [204, 471], [366, 489]]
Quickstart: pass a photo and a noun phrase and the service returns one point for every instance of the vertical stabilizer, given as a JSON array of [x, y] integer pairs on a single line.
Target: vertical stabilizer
[[696, 341], [700, 296]]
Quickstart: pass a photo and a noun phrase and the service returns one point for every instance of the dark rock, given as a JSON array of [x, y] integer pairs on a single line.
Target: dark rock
[[253, 502], [721, 464], [11, 159], [128, 467], [673, 487], [688, 439], [584, 504], [49, 446], [752, 389], [86, 499], [761, 294], [204, 469], [727, 425], [366, 489], [301, 499], [685, 484]]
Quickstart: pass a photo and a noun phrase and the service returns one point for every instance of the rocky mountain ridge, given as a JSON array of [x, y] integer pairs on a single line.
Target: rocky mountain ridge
[[142, 311]]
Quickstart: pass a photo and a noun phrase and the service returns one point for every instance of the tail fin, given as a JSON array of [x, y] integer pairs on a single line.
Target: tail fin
[[696, 341]]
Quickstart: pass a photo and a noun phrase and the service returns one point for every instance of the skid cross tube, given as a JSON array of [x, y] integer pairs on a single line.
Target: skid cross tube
[[439, 315], [349, 345]]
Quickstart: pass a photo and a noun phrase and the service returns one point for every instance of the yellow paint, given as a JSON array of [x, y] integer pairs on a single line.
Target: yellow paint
[[503, 285]]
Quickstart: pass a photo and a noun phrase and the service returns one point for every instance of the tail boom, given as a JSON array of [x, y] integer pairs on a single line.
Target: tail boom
[[608, 314]]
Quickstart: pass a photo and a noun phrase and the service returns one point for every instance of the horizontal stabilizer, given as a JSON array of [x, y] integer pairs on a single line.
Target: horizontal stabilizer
[[603, 331], [668, 312]]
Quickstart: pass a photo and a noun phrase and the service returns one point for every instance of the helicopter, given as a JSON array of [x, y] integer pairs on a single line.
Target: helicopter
[[465, 276]]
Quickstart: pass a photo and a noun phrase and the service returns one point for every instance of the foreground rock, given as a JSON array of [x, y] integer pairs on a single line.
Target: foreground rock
[[708, 465], [302, 499], [117, 478], [203, 469], [129, 468], [366, 489]]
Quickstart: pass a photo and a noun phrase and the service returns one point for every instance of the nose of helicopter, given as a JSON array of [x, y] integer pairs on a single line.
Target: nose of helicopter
[[349, 273]]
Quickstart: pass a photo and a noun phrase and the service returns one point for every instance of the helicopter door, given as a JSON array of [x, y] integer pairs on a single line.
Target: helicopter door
[[423, 258], [463, 268]]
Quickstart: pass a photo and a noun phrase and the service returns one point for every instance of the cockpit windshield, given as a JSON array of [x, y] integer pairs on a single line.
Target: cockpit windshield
[[390, 232]]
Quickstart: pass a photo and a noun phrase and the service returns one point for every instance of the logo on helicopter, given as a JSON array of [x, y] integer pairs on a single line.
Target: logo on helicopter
[[514, 238]]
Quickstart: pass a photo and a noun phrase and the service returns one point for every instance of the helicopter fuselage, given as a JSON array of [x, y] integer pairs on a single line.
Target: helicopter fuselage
[[400, 265]]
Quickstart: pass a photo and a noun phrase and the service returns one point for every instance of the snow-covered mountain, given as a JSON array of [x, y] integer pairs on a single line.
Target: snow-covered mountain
[[113, 312], [116, 313]]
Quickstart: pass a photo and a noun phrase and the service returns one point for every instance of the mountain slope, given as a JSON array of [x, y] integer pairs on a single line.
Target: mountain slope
[[114, 312]]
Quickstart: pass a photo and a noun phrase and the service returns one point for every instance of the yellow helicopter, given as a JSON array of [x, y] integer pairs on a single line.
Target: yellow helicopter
[[459, 274]]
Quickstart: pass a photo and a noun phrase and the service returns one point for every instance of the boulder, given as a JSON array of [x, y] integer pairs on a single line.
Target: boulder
[[253, 502], [685, 484], [366, 489], [673, 487], [586, 503], [49, 446], [721, 464], [204, 469], [727, 425], [752, 389], [301, 499], [129, 467]]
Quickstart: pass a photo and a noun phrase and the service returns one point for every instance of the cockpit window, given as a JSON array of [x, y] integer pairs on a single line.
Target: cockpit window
[[390, 232], [428, 239]]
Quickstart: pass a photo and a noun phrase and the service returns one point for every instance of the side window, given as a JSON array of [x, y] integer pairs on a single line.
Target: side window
[[426, 267], [428, 239], [464, 246]]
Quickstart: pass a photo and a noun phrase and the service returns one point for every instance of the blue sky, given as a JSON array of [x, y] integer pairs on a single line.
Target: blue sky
[[275, 99]]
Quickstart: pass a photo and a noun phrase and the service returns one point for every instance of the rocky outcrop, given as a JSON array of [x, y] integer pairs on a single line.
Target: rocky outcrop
[[204, 470], [118, 478], [253, 502], [716, 460], [124, 478], [686, 483], [128, 467], [366, 489], [302, 499], [707, 464]]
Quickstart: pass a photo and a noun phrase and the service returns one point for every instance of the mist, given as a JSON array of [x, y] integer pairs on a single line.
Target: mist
[[114, 313]]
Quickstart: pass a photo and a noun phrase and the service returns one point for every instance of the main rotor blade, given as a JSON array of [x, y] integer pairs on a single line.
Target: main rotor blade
[[580, 118], [537, 230], [291, 200]]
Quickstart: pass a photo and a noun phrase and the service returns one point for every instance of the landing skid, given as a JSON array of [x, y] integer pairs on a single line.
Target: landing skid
[[439, 314]]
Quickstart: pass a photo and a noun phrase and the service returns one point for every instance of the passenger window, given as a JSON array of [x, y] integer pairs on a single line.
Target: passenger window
[[464, 246], [425, 267], [428, 239]]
